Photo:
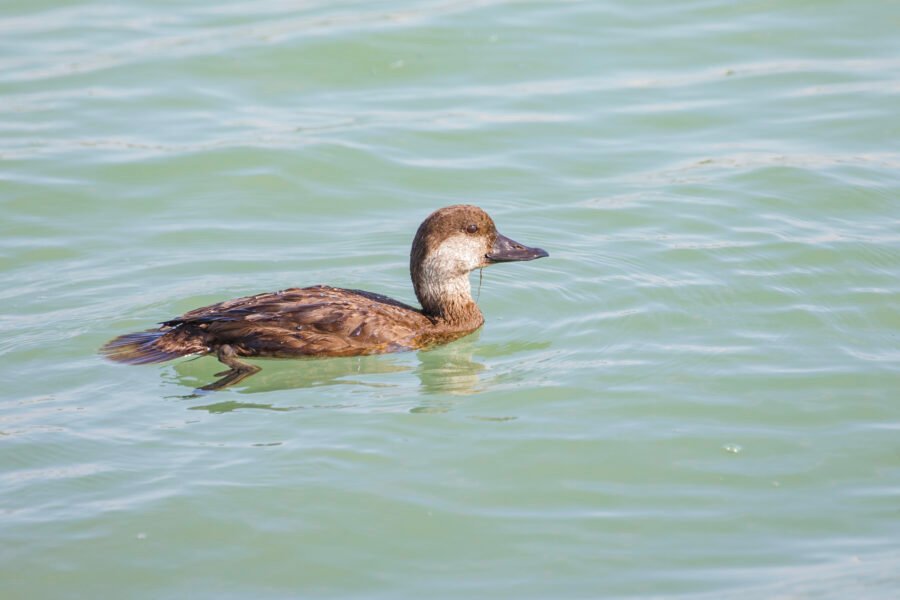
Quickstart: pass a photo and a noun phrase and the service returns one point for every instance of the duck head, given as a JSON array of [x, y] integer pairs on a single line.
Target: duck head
[[450, 243]]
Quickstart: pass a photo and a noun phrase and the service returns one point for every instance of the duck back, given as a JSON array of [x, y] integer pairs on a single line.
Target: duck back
[[312, 321]]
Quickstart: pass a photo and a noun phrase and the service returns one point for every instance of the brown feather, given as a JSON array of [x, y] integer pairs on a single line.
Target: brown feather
[[140, 348]]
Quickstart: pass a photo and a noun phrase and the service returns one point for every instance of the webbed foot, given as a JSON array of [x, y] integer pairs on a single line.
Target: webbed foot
[[238, 372]]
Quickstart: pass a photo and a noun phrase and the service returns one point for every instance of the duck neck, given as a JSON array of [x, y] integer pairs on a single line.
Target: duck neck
[[448, 301]]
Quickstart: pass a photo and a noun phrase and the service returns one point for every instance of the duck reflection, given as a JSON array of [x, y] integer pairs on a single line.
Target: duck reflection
[[445, 370], [450, 369]]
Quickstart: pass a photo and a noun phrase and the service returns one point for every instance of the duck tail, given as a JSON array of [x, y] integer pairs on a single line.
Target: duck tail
[[142, 348]]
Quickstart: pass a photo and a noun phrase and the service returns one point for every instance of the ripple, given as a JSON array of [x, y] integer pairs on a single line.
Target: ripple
[[702, 373]]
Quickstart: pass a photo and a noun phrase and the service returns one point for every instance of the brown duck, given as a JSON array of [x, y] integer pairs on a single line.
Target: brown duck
[[323, 321]]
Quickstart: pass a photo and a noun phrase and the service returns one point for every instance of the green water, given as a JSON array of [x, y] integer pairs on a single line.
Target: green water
[[695, 396]]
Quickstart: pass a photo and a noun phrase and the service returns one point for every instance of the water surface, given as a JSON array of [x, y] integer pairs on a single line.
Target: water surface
[[695, 396]]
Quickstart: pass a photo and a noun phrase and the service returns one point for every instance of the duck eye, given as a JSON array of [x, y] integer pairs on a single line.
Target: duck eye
[[472, 228]]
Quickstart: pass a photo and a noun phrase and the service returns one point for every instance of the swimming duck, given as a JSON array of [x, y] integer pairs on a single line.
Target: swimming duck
[[322, 321]]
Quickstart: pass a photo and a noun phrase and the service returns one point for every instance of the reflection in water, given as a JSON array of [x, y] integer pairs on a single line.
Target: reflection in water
[[298, 373], [445, 370], [450, 369], [224, 407]]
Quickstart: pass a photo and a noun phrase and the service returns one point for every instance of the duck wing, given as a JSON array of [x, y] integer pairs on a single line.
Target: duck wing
[[313, 321]]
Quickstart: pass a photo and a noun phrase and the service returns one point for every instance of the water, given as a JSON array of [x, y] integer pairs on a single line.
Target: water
[[695, 396]]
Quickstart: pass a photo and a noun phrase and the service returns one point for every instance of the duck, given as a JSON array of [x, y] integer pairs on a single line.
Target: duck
[[323, 321]]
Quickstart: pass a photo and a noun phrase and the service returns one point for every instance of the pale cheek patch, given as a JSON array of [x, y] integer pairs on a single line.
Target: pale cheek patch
[[457, 255], [445, 271]]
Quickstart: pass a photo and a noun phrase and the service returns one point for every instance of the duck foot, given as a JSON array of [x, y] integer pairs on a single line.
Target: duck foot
[[233, 376], [238, 372]]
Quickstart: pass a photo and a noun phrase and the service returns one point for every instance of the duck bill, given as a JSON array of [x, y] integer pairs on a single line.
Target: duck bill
[[507, 250]]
